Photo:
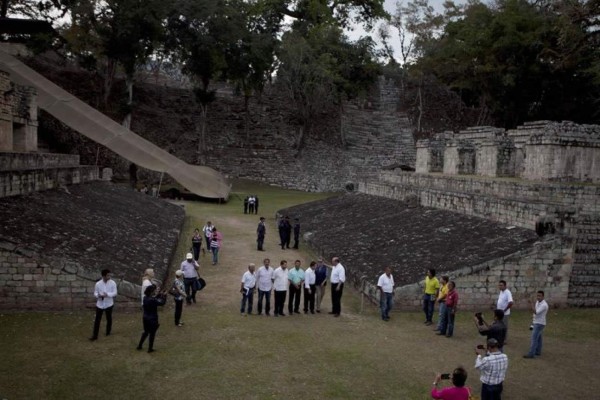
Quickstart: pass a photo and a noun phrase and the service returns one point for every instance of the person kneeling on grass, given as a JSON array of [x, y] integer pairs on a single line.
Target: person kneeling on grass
[[150, 320]]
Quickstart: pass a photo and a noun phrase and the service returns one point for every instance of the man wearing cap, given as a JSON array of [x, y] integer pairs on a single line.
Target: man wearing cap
[[261, 231], [320, 283], [492, 366], [247, 288], [190, 276]]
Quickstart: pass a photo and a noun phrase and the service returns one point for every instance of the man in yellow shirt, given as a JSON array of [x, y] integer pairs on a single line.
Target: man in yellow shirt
[[441, 299], [432, 287]]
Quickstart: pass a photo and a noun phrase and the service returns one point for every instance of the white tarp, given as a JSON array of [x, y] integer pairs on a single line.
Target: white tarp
[[203, 181]]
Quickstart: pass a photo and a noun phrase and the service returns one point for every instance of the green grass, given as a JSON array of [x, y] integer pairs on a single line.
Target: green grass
[[220, 355]]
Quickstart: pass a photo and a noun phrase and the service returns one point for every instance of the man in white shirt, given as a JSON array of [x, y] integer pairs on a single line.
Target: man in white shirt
[[280, 284], [309, 288], [264, 277], [540, 309], [505, 302], [105, 291], [190, 277], [247, 287], [338, 277], [492, 366], [385, 284]]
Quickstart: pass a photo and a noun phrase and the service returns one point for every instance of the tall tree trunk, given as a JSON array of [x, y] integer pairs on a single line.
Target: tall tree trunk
[[127, 120], [109, 75], [202, 134]]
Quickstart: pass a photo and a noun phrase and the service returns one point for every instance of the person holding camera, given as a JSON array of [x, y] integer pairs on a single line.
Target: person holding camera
[[540, 309], [496, 330], [492, 365], [457, 392], [150, 320]]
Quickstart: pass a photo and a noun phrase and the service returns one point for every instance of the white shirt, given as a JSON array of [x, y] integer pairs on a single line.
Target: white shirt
[[249, 280], [309, 277], [386, 283], [145, 284], [280, 279], [338, 274], [207, 230], [541, 309], [264, 276], [104, 292], [504, 298]]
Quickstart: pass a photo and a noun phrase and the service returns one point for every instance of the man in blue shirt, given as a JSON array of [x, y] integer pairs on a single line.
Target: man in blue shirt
[[296, 278], [320, 283]]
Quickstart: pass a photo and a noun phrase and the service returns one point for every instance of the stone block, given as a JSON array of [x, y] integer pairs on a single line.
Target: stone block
[[27, 277]]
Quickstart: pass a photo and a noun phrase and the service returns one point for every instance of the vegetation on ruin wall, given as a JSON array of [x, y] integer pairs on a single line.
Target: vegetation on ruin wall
[[497, 63]]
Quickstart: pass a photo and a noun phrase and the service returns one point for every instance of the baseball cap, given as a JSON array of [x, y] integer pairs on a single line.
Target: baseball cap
[[189, 256]]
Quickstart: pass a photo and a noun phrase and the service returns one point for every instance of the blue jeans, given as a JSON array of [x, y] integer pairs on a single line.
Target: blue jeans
[[247, 296], [386, 302], [442, 321], [266, 294], [449, 321], [215, 254], [536, 340], [491, 392], [428, 304]]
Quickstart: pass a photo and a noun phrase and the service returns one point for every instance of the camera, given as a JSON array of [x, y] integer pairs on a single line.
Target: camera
[[445, 376], [479, 318]]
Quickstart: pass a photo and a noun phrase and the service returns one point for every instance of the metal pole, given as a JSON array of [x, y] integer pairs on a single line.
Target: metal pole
[[159, 184]]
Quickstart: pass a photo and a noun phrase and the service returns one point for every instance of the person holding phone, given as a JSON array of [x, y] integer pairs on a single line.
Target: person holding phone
[[456, 392], [150, 320]]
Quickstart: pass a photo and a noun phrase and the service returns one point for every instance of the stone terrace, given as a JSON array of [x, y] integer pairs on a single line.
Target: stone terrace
[[53, 244], [369, 232]]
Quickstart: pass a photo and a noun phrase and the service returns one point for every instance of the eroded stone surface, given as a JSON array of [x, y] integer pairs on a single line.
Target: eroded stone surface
[[369, 232]]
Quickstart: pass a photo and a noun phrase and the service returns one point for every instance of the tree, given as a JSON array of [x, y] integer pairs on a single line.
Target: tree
[[321, 69]]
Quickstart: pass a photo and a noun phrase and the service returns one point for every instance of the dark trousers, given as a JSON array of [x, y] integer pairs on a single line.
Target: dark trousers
[[336, 298], [190, 289], [251, 208], [266, 295], [196, 251], [178, 310], [247, 297], [296, 240], [294, 294], [309, 299], [386, 302], [150, 328], [491, 392], [287, 239], [428, 304], [259, 242], [99, 312], [279, 301]]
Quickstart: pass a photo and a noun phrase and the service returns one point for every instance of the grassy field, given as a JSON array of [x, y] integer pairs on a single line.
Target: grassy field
[[220, 355]]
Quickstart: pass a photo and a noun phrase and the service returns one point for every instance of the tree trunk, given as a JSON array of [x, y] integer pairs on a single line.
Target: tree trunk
[[127, 120], [202, 134], [109, 75]]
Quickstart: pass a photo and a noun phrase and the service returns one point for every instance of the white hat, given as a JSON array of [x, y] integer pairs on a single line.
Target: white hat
[[189, 256], [178, 272]]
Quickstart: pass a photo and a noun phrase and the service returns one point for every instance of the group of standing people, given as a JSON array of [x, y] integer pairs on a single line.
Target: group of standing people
[[491, 361], [251, 204], [294, 283], [214, 240], [285, 228]]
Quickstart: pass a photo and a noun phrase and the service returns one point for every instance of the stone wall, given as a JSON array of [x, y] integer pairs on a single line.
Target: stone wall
[[26, 284], [18, 116], [540, 150], [547, 266], [585, 278]]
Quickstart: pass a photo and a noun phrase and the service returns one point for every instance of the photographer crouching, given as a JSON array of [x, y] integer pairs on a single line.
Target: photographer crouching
[[497, 330], [456, 392]]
